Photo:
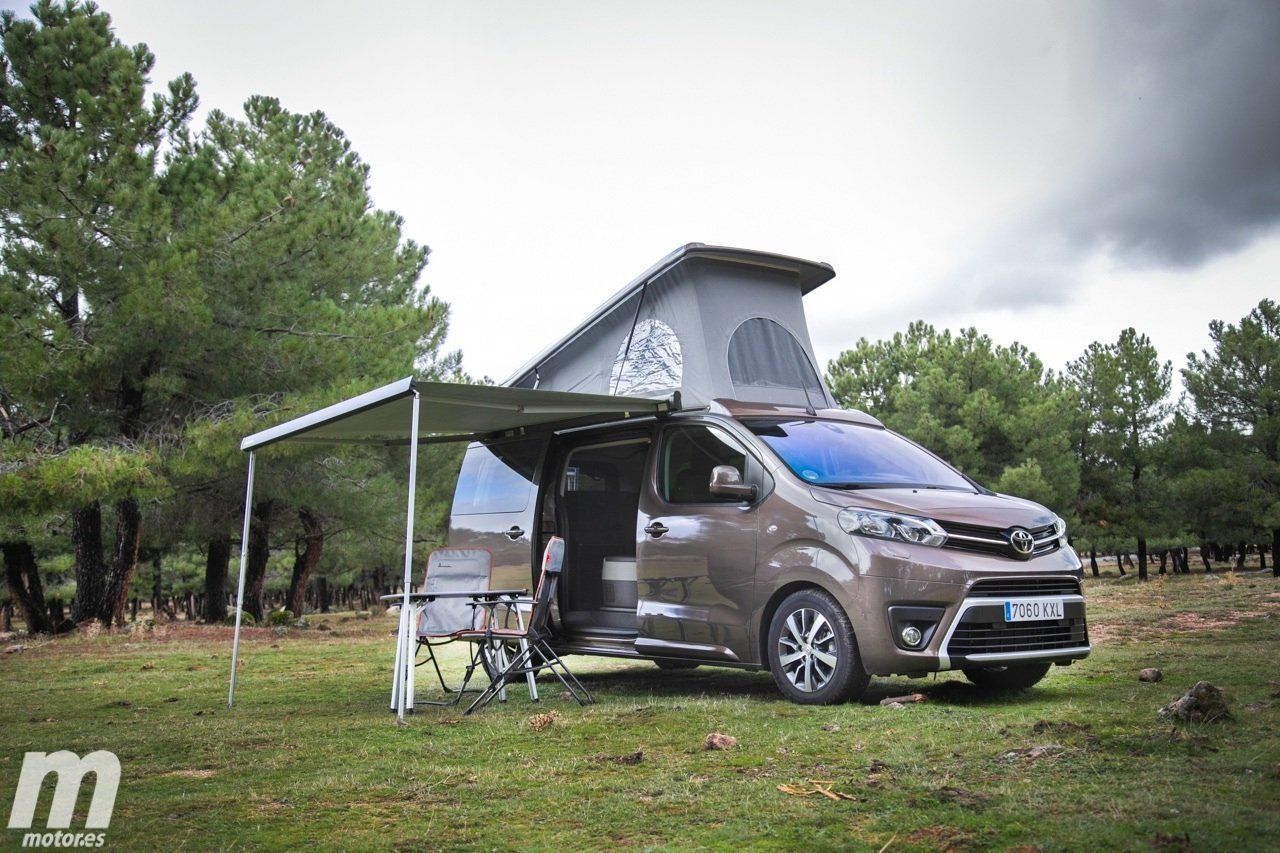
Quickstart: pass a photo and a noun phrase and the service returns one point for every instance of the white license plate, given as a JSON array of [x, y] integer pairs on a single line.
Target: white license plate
[[1033, 609]]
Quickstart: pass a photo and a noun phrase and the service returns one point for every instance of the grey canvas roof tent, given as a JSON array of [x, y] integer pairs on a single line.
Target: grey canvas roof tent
[[707, 322], [703, 323]]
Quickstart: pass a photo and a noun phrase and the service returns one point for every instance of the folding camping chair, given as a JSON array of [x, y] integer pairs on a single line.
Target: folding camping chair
[[441, 620], [534, 653]]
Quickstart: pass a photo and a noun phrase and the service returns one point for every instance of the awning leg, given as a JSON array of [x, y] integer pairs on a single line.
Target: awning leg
[[403, 680], [244, 556]]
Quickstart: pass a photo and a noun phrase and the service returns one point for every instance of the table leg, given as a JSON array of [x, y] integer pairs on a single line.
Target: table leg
[[397, 668], [411, 671]]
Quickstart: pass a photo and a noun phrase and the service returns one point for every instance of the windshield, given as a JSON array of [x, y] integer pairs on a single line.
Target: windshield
[[852, 456]]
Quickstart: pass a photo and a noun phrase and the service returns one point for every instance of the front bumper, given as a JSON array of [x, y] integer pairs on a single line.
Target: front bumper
[[968, 592], [979, 636]]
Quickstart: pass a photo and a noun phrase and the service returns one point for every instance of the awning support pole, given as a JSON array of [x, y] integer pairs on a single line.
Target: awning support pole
[[404, 659], [244, 555]]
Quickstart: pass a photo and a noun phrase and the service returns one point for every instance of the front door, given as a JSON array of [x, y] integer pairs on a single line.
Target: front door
[[696, 553]]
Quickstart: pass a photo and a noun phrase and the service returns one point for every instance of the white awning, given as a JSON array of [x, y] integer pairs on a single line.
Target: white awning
[[403, 413], [381, 416]]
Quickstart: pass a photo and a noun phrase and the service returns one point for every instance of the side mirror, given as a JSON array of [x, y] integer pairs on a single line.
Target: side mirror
[[726, 482]]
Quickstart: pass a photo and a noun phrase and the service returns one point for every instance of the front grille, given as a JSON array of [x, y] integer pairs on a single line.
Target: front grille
[[995, 540], [1015, 587], [978, 638]]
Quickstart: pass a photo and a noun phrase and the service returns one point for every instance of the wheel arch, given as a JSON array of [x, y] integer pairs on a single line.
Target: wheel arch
[[775, 601]]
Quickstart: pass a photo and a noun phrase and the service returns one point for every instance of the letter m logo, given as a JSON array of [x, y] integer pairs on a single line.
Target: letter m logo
[[71, 770]]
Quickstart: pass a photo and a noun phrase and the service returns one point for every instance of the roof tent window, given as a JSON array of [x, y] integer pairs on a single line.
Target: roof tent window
[[648, 361], [768, 365]]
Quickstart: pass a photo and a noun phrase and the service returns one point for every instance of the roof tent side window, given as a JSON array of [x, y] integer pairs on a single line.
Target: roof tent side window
[[768, 365], [497, 477], [649, 360]]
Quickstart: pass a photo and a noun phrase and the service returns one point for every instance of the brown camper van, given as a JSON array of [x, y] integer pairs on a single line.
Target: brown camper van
[[756, 525]]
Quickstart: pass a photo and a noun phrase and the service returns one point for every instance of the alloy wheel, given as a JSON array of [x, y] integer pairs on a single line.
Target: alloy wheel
[[807, 650]]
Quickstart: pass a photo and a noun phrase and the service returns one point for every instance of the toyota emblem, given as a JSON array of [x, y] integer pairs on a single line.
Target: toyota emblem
[[1021, 541]]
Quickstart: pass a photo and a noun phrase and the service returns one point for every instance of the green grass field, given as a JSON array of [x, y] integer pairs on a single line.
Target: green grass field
[[311, 757]]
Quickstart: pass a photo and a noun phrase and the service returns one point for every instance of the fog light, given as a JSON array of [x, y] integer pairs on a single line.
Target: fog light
[[911, 636]]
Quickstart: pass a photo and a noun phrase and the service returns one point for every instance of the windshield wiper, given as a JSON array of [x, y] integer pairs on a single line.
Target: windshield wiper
[[854, 486], [859, 485]]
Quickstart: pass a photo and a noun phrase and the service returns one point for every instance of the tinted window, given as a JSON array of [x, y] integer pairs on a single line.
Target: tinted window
[[828, 453], [497, 477], [768, 365], [688, 456]]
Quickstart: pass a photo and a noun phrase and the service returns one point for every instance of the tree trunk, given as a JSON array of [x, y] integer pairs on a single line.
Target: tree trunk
[[124, 560], [6, 618], [25, 590], [1120, 563], [1204, 558], [1164, 560], [1093, 561], [157, 589], [101, 587], [322, 594], [305, 559], [1240, 552], [216, 561], [1142, 559], [86, 546], [1275, 553], [1262, 557], [255, 571]]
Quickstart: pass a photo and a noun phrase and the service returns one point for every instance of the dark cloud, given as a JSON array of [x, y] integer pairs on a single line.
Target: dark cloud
[[1179, 153]]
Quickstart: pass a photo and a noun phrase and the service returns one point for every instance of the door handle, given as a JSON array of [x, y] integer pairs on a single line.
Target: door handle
[[514, 533], [656, 529]]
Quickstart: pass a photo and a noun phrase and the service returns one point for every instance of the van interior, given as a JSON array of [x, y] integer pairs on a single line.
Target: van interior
[[593, 503]]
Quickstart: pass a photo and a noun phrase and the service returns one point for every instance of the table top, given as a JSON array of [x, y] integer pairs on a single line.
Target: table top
[[472, 594]]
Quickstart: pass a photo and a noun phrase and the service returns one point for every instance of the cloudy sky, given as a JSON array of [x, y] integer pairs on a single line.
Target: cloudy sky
[[1047, 172]]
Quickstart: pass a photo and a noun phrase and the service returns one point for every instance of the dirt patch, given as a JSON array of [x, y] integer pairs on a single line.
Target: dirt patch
[[945, 838], [192, 774], [1190, 622], [961, 797]]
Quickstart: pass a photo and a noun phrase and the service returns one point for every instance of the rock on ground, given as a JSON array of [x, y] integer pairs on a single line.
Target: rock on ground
[[1203, 703], [1150, 675], [715, 740]]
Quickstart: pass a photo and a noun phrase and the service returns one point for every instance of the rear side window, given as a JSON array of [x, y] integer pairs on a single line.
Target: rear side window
[[497, 477], [688, 455]]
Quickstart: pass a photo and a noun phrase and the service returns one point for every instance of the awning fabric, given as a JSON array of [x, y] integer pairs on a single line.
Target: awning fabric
[[382, 416]]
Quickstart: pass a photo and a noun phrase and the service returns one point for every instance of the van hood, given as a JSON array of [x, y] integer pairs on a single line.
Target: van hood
[[985, 510]]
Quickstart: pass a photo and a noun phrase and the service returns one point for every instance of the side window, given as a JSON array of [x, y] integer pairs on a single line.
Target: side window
[[497, 477], [688, 455]]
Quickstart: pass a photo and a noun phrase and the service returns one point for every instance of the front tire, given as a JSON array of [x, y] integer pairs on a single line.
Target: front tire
[[813, 654], [1018, 677]]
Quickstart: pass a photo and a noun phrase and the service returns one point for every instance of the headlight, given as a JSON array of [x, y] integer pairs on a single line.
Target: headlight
[[1060, 528], [891, 525]]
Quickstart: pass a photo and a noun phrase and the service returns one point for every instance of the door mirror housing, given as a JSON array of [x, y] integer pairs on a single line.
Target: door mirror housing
[[726, 482]]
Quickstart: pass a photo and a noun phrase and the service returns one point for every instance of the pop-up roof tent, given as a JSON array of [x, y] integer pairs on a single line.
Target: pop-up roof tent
[[706, 321], [703, 323]]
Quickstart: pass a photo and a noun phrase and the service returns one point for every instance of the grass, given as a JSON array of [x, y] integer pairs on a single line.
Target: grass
[[310, 756]]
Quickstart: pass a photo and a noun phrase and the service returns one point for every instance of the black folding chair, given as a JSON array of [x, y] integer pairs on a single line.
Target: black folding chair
[[533, 653]]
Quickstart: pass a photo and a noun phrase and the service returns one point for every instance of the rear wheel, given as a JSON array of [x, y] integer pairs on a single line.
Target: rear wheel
[[812, 651], [1017, 677]]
